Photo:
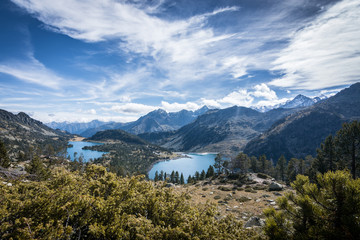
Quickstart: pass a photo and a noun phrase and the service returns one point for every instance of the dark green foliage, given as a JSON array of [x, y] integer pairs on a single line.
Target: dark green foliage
[[156, 177], [100, 205], [340, 152], [119, 135], [348, 145], [4, 158], [218, 164], [281, 168], [292, 170], [242, 162], [210, 172], [202, 175], [182, 180], [254, 164], [131, 158], [329, 209], [37, 168]]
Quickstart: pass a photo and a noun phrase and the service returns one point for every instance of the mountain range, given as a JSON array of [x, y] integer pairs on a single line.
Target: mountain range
[[21, 133], [298, 134], [161, 121], [155, 121], [300, 101], [76, 127], [222, 130]]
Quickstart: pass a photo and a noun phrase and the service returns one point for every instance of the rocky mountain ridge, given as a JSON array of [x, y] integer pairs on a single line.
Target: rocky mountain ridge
[[299, 134]]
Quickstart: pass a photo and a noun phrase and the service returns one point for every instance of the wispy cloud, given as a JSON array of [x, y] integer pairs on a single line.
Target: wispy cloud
[[32, 71], [325, 53]]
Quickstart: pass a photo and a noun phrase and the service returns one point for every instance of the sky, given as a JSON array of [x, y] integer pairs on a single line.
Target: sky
[[116, 60]]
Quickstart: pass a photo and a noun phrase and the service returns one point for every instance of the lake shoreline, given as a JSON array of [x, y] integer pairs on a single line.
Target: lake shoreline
[[169, 159], [187, 163]]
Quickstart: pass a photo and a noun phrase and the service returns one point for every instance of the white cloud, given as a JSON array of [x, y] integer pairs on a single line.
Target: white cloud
[[175, 107], [32, 71], [130, 108], [262, 90], [325, 53]]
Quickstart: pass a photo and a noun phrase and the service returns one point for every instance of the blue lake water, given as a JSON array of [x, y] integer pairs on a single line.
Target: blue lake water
[[87, 154], [187, 166]]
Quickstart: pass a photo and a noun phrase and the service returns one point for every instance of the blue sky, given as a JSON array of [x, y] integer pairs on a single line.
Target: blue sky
[[79, 60]]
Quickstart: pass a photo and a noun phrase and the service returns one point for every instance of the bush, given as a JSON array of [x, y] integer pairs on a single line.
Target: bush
[[100, 205], [329, 209]]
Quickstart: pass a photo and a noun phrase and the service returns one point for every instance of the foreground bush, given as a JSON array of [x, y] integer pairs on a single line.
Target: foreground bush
[[329, 209], [100, 205]]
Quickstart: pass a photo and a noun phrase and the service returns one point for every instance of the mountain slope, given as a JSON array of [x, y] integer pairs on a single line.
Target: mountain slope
[[117, 135], [300, 101], [75, 128], [297, 134], [226, 130], [20, 133], [155, 121]]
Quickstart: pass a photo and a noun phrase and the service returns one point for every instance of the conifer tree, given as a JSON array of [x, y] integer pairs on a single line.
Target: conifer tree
[[254, 164], [172, 177], [218, 164], [177, 177], [348, 143], [281, 167], [36, 166], [202, 175], [182, 180], [210, 172], [197, 176], [292, 170], [190, 179], [327, 209], [4, 158], [242, 161], [326, 156], [156, 178]]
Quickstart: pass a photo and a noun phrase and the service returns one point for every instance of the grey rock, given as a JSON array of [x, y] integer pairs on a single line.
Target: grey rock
[[274, 186], [254, 222]]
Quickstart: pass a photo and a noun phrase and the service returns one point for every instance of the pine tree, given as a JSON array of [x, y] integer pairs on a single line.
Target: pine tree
[[172, 177], [326, 156], [292, 169], [36, 167], [218, 165], [156, 178], [190, 179], [327, 209], [4, 158], [202, 175], [197, 176], [210, 172], [182, 180], [254, 164], [177, 177], [348, 144], [281, 167], [242, 161]]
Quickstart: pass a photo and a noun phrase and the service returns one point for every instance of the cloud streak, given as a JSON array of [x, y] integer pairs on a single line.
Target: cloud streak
[[32, 71], [325, 53]]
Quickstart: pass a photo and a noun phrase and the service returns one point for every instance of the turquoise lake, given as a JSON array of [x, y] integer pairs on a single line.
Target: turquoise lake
[[87, 154], [187, 166]]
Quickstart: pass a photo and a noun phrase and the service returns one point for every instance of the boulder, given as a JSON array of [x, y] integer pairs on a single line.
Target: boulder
[[168, 185], [274, 186], [254, 222]]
